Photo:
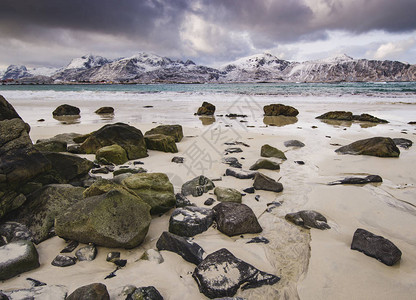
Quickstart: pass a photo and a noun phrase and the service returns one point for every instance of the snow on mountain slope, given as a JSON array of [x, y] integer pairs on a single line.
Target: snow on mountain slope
[[15, 72], [87, 62]]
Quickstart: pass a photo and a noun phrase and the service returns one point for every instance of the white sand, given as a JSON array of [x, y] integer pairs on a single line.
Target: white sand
[[312, 264]]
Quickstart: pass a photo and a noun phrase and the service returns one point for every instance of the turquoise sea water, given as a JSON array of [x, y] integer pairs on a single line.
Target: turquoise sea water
[[400, 89]]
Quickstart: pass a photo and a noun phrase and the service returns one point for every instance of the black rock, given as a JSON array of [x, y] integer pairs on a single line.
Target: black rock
[[178, 159], [263, 182], [240, 174], [233, 150], [221, 274], [35, 282], [235, 218], [299, 162], [120, 262], [250, 190], [209, 201], [137, 162], [63, 261], [66, 110], [258, 239], [70, 247], [145, 293], [191, 220], [376, 246], [404, 143], [232, 162], [186, 248], [257, 197], [308, 219], [357, 180], [94, 291], [112, 274], [233, 115], [87, 253], [182, 201]]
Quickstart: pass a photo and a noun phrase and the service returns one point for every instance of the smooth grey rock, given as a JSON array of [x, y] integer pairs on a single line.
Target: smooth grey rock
[[240, 174], [357, 180], [227, 194], [376, 246], [63, 261], [197, 186], [263, 182], [191, 220], [264, 163], [87, 253], [221, 274], [184, 247], [294, 143], [308, 219]]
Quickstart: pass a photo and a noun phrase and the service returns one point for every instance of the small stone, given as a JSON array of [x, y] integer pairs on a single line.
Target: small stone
[[403, 143], [63, 261], [308, 219], [257, 197], [120, 263], [153, 255], [105, 110], [145, 293], [113, 256], [178, 159], [191, 220], [269, 151], [232, 162], [294, 143], [258, 239], [197, 186], [250, 190], [70, 247], [299, 162], [265, 164], [240, 174], [87, 253], [35, 282], [358, 180], [209, 201], [233, 150]]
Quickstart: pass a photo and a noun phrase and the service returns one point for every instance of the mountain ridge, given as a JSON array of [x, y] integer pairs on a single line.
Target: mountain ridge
[[151, 68]]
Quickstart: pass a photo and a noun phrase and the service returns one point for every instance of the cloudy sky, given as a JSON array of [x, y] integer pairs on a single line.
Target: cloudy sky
[[210, 32]]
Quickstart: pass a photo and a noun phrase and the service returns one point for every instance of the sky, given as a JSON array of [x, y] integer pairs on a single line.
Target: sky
[[210, 32]]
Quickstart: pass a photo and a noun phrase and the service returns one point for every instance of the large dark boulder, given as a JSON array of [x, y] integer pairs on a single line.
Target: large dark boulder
[[7, 111], [221, 274], [376, 246], [337, 115], [94, 291], [206, 109], [189, 250], [113, 219], [16, 258], [236, 218], [160, 142], [154, 188], [66, 110], [263, 182], [280, 110], [377, 146], [128, 137], [113, 154], [38, 213], [308, 219], [190, 220], [197, 186], [174, 131]]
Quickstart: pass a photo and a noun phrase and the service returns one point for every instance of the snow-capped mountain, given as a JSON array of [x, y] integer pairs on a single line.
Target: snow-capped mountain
[[150, 68]]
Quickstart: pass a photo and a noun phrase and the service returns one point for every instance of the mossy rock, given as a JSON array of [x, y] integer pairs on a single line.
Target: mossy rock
[[113, 154], [377, 146], [269, 151], [227, 194], [337, 115], [81, 138], [280, 110], [102, 186], [154, 188], [263, 163], [207, 109], [160, 142], [174, 131], [51, 146]]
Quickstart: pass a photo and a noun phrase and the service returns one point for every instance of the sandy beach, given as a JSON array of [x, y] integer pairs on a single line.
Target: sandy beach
[[312, 264]]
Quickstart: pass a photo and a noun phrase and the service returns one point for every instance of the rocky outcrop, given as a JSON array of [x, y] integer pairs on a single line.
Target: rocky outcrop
[[113, 219], [221, 274], [206, 109], [357, 180], [160, 142], [263, 182], [337, 115], [269, 151], [129, 138], [153, 188], [113, 154], [377, 146], [7, 111], [191, 220], [94, 291], [189, 250], [265, 164], [280, 110], [376, 246], [308, 219], [174, 131], [66, 110], [16, 258], [197, 186], [235, 218], [227, 194]]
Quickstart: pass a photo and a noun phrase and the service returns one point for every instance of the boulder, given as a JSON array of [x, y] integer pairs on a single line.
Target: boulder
[[7, 111], [38, 213], [235, 218], [20, 163], [207, 109], [174, 131], [16, 258], [280, 110], [221, 274], [189, 250], [404, 143], [232, 162], [240, 174], [63, 261], [105, 110], [113, 219], [160, 142], [13, 231], [308, 219], [51, 146], [294, 143], [358, 180], [227, 194], [66, 110], [376, 246], [94, 291], [153, 188], [129, 138], [263, 163], [263, 182], [369, 118], [377, 146], [191, 220], [269, 151], [197, 186], [337, 115], [114, 154], [145, 293]]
